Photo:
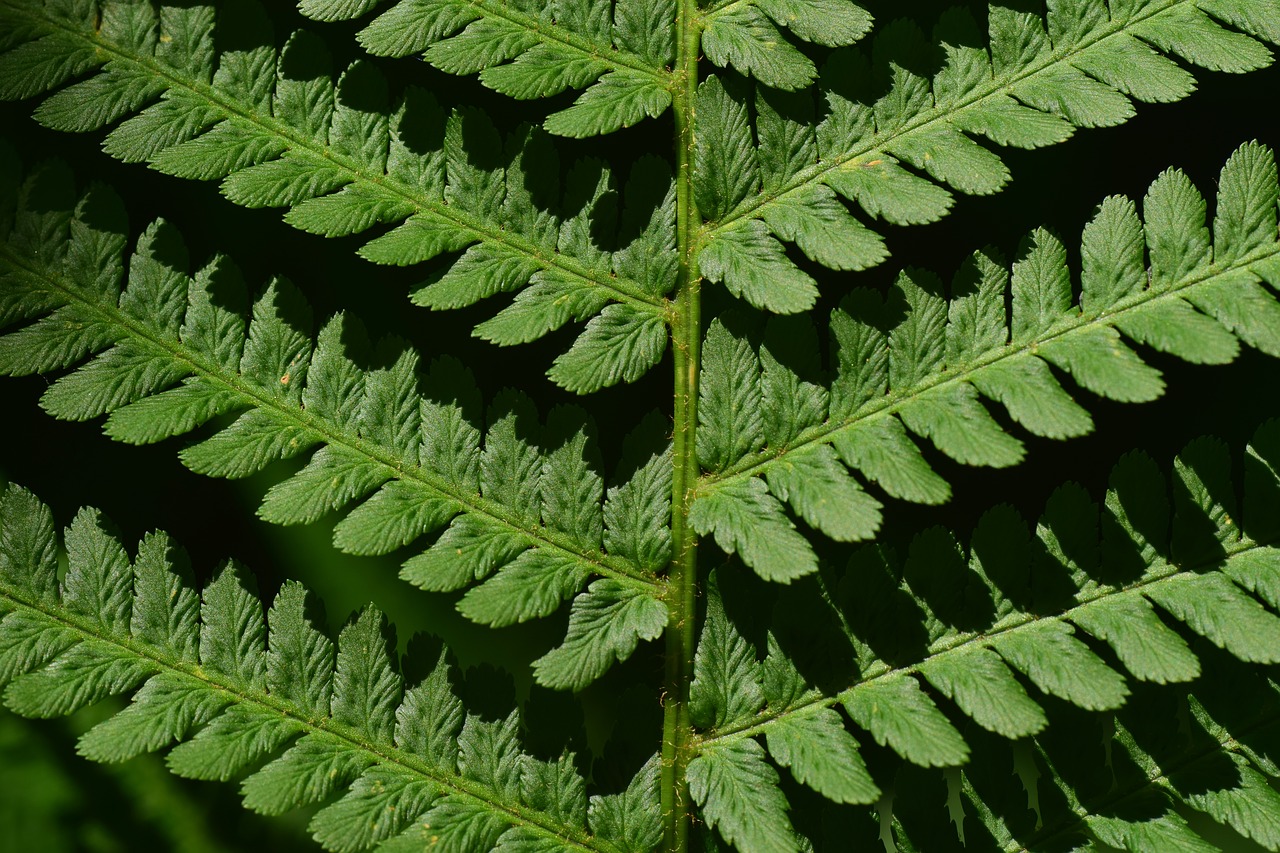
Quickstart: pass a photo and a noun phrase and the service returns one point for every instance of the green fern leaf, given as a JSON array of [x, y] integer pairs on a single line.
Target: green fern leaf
[[236, 739], [543, 517], [619, 99], [364, 739], [914, 360], [985, 689], [743, 37], [359, 820], [163, 710], [618, 345], [972, 631], [618, 56], [635, 510], [605, 624], [822, 755], [752, 265], [1097, 679], [1008, 95], [726, 689], [630, 817], [897, 712], [531, 586], [745, 519], [232, 636], [309, 771], [344, 158], [1214, 607], [1144, 644], [336, 10], [739, 795], [1061, 665]]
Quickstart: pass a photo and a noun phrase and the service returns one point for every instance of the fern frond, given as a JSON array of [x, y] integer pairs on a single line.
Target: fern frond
[[411, 761], [929, 654], [528, 520], [893, 130], [621, 56], [916, 362], [345, 158]]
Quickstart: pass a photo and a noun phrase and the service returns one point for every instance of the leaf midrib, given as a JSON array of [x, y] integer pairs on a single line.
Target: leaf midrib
[[542, 537]]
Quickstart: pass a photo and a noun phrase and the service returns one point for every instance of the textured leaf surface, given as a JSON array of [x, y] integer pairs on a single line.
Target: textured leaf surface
[[524, 52], [996, 85], [913, 362], [1092, 679], [605, 624], [821, 754], [739, 796], [726, 689], [410, 442], [898, 714], [993, 625], [344, 158], [363, 744]]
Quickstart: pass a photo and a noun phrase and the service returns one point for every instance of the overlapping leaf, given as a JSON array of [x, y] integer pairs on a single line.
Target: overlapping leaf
[[526, 517], [336, 723], [895, 129], [621, 55], [350, 156], [952, 654], [746, 36], [1176, 769], [916, 363]]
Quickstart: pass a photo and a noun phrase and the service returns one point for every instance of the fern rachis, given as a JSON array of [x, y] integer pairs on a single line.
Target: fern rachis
[[711, 188]]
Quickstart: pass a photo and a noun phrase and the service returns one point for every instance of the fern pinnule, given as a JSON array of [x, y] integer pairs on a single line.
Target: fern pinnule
[[1169, 771], [620, 56], [414, 762], [1180, 767], [915, 361], [526, 519], [999, 637]]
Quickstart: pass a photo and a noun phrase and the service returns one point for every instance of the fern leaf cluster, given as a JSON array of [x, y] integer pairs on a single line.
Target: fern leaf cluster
[[1006, 634], [414, 767], [536, 50], [278, 131], [916, 361], [706, 186], [529, 522], [1028, 84]]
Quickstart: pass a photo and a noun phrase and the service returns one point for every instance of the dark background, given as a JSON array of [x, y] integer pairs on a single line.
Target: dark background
[[142, 489]]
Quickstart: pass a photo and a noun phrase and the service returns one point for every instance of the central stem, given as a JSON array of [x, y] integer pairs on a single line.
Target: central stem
[[686, 338]]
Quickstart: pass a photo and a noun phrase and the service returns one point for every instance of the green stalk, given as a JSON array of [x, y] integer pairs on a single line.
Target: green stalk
[[686, 341]]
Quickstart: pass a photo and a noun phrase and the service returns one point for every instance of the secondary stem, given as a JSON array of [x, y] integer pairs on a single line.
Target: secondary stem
[[686, 339]]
